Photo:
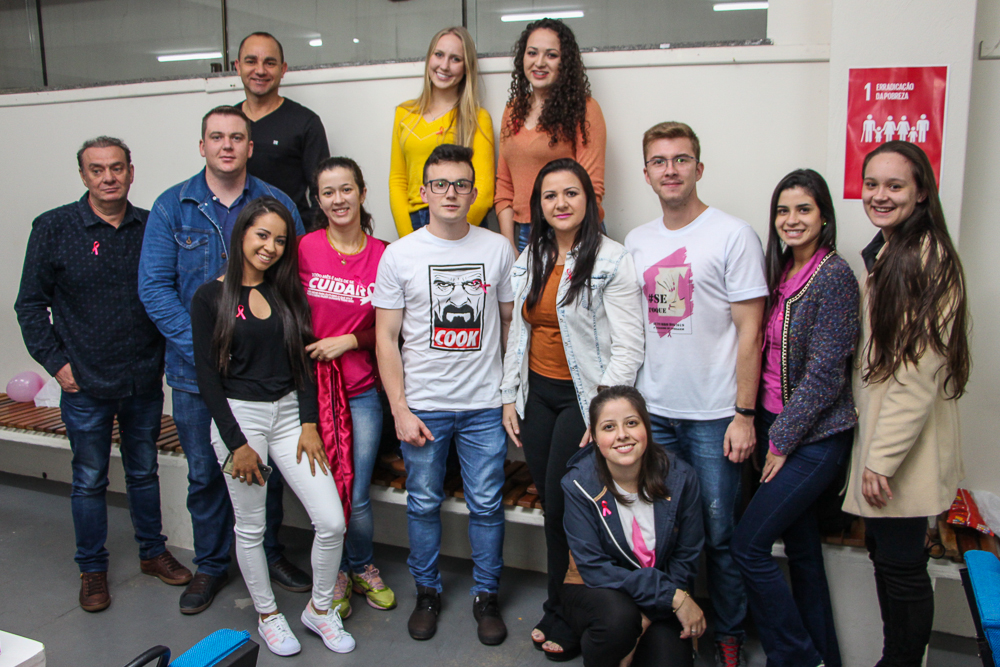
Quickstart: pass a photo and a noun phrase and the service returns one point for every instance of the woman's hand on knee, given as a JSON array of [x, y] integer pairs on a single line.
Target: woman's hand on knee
[[692, 619], [246, 465], [312, 446], [511, 423]]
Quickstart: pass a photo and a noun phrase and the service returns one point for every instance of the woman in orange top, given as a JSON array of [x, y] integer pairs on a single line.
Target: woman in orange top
[[550, 115]]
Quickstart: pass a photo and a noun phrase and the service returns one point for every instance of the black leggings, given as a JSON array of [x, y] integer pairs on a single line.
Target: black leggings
[[905, 594], [550, 432], [609, 623]]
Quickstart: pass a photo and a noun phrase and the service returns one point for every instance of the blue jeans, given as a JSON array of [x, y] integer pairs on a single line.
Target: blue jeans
[[420, 218], [699, 443], [795, 625], [366, 416], [482, 448], [89, 421], [522, 233]]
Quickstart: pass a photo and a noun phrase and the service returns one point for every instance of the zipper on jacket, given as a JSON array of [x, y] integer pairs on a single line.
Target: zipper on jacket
[[606, 527]]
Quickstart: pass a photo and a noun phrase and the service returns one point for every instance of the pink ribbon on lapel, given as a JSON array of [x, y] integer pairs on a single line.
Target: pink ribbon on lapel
[[239, 313], [97, 244], [604, 508]]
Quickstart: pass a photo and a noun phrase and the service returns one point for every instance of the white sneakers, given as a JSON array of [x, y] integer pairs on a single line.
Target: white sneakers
[[330, 628], [278, 636], [281, 641]]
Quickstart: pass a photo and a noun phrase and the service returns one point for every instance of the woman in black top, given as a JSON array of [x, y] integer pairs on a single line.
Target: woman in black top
[[250, 329]]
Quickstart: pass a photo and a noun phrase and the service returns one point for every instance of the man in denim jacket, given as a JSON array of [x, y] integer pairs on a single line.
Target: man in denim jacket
[[186, 244]]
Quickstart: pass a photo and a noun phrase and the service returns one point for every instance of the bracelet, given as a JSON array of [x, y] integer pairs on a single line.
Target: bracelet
[[746, 412], [686, 597]]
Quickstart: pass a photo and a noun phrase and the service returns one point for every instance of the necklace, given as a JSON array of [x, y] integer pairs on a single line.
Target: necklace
[[343, 260]]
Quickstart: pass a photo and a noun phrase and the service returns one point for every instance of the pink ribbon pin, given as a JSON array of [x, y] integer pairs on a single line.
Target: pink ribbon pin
[[239, 313], [605, 511], [97, 245]]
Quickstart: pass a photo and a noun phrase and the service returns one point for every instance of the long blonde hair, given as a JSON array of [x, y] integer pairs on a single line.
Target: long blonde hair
[[466, 120]]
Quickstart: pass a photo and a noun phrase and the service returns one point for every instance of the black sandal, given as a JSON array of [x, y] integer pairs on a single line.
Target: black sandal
[[545, 627], [561, 634]]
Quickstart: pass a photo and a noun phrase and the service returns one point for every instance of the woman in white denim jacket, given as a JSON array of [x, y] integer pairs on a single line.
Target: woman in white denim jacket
[[577, 325]]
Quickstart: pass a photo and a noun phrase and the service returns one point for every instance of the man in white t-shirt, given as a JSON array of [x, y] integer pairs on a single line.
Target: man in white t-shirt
[[702, 274], [446, 288]]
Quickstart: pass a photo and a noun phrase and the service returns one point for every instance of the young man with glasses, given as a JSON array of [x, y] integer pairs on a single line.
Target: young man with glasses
[[702, 275], [446, 289]]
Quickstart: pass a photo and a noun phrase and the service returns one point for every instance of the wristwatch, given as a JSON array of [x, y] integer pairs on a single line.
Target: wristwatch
[[746, 412]]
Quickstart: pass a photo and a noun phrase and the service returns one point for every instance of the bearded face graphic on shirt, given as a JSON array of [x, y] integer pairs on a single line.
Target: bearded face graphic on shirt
[[458, 297]]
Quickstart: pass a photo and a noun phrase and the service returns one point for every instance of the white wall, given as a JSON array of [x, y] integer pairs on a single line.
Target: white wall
[[760, 111], [979, 242]]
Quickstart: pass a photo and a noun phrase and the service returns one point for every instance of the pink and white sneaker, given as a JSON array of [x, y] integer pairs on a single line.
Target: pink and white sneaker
[[330, 628], [278, 636]]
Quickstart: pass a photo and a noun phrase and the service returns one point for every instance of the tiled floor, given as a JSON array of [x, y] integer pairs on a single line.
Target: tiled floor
[[39, 585]]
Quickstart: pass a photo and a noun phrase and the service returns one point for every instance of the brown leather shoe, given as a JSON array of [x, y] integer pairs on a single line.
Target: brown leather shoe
[[94, 595], [166, 568], [423, 621]]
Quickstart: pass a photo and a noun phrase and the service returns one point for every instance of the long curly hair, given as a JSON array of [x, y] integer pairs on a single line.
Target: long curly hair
[[565, 110], [917, 287]]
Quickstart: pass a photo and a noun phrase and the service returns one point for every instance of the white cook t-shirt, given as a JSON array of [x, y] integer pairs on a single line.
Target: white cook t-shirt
[[450, 293], [688, 278]]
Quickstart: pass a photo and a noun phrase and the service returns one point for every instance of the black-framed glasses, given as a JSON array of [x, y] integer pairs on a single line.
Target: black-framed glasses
[[680, 162], [439, 186]]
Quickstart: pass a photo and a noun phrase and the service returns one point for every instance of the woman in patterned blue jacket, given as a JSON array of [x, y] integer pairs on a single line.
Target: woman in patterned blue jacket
[[805, 422]]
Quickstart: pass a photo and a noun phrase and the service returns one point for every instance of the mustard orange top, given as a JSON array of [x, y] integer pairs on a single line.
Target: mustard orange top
[[546, 355], [413, 140], [523, 155]]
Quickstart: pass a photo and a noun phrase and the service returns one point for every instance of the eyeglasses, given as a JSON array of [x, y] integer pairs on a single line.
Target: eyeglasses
[[680, 162], [439, 186]]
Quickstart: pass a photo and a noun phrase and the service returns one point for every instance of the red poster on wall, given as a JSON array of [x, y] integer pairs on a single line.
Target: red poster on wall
[[893, 104]]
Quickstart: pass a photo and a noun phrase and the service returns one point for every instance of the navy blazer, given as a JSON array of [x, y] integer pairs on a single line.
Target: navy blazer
[[601, 552]]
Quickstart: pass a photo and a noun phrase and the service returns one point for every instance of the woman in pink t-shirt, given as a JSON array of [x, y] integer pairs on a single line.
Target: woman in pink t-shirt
[[337, 265]]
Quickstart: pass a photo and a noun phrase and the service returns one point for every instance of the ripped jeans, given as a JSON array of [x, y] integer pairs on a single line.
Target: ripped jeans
[[699, 443]]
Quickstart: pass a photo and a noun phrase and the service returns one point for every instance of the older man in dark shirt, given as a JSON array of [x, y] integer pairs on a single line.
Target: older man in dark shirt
[[82, 266]]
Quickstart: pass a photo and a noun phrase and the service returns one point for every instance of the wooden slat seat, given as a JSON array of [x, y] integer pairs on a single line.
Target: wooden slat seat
[[26, 417]]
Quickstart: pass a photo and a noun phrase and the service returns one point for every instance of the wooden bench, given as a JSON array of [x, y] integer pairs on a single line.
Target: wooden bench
[[955, 541]]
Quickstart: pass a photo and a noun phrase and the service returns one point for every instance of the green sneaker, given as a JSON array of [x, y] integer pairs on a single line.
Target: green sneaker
[[342, 595], [375, 591]]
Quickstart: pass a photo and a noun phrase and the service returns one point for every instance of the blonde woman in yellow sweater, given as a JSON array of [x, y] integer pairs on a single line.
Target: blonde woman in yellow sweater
[[447, 112]]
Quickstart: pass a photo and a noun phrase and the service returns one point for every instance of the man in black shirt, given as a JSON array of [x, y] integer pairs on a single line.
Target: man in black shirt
[[82, 265], [289, 139]]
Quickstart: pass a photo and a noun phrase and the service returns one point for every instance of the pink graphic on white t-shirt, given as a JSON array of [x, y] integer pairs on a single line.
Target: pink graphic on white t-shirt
[[668, 287]]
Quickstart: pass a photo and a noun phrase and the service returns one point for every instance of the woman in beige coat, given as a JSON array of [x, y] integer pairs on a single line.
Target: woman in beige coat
[[911, 367]]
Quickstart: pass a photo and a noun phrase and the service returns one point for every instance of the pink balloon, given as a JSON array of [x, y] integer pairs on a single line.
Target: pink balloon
[[23, 386]]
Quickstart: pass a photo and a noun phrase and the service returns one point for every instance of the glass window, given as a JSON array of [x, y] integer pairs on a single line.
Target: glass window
[[319, 32], [607, 24], [20, 52], [99, 41]]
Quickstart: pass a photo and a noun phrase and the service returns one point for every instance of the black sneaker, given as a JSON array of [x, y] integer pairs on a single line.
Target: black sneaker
[[201, 591], [729, 653], [486, 609], [288, 576], [423, 621]]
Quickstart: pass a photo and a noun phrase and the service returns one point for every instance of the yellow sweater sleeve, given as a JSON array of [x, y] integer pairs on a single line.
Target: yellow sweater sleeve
[[398, 179], [483, 162]]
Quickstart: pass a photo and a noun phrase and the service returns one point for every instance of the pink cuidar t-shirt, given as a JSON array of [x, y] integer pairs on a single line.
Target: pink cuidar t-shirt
[[339, 290], [771, 365]]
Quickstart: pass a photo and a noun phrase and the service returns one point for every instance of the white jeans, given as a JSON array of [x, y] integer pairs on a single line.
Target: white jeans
[[273, 430]]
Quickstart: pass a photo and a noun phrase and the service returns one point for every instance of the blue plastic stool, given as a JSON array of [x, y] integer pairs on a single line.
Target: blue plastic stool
[[981, 579], [222, 648]]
